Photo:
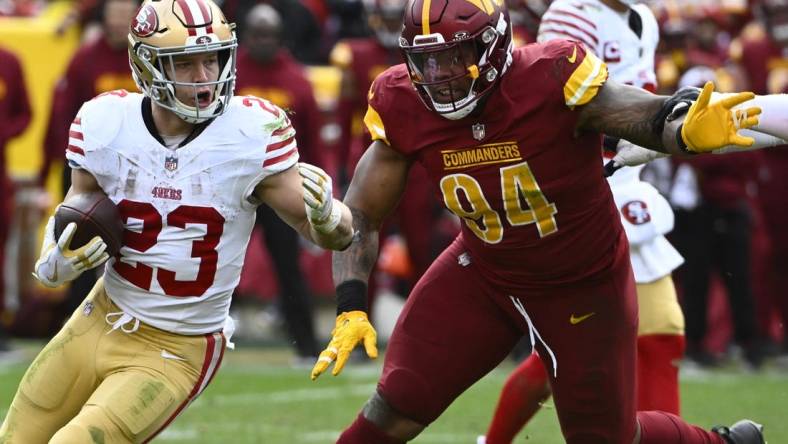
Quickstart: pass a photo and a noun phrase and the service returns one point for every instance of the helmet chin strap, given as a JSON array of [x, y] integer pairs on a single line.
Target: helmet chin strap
[[460, 113], [462, 107]]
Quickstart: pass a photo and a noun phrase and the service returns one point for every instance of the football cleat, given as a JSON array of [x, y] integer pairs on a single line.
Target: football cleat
[[743, 432]]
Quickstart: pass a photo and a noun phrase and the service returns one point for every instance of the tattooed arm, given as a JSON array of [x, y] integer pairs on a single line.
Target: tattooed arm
[[627, 112], [642, 118], [377, 185]]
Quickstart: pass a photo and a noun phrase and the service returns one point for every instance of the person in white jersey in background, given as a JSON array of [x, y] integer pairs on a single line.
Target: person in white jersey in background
[[187, 165], [624, 35]]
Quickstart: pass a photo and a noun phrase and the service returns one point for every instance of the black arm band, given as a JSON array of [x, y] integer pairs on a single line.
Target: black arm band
[[351, 296], [674, 107], [610, 143], [680, 141]]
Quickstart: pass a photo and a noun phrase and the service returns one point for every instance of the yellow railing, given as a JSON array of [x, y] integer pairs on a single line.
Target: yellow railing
[[44, 57]]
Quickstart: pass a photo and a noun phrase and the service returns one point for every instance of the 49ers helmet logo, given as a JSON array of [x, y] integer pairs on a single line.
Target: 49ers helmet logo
[[636, 212], [146, 22]]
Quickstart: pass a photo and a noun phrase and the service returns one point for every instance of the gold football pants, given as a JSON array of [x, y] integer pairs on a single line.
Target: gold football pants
[[659, 309], [95, 384]]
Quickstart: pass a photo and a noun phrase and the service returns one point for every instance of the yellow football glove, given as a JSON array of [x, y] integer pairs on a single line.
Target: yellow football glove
[[708, 127], [351, 328]]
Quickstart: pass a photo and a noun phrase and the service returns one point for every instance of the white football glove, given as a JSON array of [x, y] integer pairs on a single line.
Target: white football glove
[[59, 264], [323, 215], [629, 154]]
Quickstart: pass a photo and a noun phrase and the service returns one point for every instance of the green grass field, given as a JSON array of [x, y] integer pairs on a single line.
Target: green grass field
[[259, 398]]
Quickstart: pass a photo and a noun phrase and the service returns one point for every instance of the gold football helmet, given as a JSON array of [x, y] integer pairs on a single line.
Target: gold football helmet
[[165, 29]]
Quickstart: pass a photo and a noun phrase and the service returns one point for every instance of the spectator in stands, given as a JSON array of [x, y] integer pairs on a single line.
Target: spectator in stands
[[716, 236], [15, 117], [762, 51], [21, 8], [302, 35], [98, 66], [762, 48], [267, 69]]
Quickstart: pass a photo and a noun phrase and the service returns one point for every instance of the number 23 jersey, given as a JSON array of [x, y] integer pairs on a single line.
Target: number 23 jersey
[[187, 212], [535, 207]]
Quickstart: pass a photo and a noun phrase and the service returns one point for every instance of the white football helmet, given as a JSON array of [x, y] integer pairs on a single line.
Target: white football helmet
[[164, 29]]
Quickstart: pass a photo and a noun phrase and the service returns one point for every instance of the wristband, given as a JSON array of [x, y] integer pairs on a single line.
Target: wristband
[[351, 296], [680, 141]]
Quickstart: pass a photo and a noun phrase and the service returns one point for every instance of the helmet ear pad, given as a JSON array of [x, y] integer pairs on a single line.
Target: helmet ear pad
[[165, 29], [434, 27]]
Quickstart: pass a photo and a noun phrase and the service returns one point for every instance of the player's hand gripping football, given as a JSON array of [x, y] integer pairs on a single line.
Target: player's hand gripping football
[[351, 328], [710, 126], [323, 215], [58, 263]]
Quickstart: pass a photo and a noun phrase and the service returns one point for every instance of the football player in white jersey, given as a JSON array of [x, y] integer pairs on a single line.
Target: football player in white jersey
[[187, 164], [625, 35]]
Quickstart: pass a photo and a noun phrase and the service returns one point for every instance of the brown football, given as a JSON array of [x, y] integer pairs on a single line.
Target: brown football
[[95, 215]]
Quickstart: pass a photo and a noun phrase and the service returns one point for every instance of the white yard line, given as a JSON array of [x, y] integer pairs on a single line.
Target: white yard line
[[285, 396]]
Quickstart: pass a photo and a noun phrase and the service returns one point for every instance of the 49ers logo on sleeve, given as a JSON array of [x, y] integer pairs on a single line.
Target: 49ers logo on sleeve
[[612, 52], [146, 22], [636, 212]]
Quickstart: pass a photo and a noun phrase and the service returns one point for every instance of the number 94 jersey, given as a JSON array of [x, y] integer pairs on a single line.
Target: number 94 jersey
[[535, 206], [187, 212]]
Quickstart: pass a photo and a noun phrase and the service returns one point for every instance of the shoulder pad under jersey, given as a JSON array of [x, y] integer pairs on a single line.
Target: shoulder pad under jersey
[[101, 118], [390, 84], [259, 119]]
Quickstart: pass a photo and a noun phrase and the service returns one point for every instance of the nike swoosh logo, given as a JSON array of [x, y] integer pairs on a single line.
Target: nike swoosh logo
[[574, 55], [167, 355], [576, 320], [53, 278]]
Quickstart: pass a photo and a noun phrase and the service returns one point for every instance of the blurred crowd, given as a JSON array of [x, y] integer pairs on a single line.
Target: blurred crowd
[[317, 59]]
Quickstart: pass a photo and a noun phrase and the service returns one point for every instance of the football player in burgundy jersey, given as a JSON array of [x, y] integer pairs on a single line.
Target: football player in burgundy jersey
[[187, 165], [625, 37], [511, 143]]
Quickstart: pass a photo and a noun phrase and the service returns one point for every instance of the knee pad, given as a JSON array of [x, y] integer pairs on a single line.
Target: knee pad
[[138, 404], [409, 394], [49, 381]]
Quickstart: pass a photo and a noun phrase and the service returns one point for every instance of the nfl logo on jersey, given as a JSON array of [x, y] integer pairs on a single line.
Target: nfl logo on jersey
[[478, 131], [170, 163]]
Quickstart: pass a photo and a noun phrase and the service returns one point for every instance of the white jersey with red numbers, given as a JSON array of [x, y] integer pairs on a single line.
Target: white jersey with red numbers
[[187, 212], [626, 44]]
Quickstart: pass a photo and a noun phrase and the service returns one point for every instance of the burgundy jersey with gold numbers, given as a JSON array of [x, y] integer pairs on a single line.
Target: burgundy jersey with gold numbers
[[536, 208]]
